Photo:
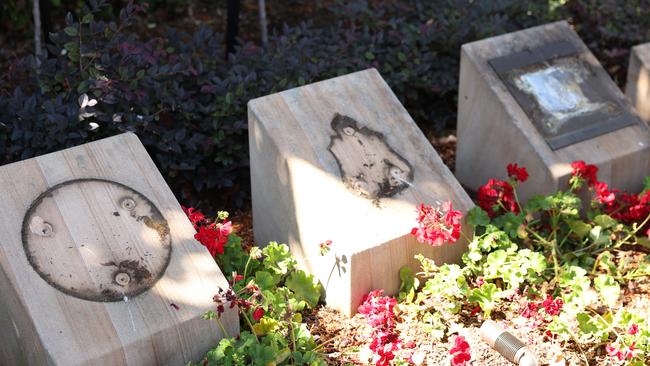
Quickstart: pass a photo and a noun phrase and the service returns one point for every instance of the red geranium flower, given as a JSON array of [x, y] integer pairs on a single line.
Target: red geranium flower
[[497, 197], [460, 345], [603, 194], [552, 306], [585, 171], [258, 314], [634, 329], [629, 208], [438, 226], [517, 173], [461, 352], [195, 216], [214, 237]]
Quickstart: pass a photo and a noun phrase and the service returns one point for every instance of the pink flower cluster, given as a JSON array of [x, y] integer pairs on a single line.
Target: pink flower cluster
[[622, 353], [379, 313], [438, 226], [461, 352], [542, 311], [212, 235], [324, 247]]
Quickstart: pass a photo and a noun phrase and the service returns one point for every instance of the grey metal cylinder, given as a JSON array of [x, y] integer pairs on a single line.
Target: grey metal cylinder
[[507, 344]]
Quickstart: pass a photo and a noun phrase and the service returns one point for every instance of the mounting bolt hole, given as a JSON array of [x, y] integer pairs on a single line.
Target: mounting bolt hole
[[41, 227], [122, 278], [128, 203]]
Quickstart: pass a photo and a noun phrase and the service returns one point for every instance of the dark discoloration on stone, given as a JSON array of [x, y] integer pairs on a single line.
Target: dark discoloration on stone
[[141, 277], [369, 167], [159, 224]]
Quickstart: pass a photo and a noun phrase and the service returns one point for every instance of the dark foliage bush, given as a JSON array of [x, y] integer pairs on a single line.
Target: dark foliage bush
[[188, 105]]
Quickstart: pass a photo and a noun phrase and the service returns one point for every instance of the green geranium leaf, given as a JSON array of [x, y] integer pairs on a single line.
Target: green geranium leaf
[[304, 287], [608, 289], [266, 281], [486, 296], [605, 221], [409, 284], [537, 203], [510, 223], [599, 236], [497, 258], [477, 217], [579, 227], [586, 324], [278, 258]]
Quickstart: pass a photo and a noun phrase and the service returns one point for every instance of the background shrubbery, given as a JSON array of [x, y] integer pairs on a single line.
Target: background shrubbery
[[175, 89]]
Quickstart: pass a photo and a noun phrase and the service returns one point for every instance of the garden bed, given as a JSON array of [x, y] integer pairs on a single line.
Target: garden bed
[[580, 301]]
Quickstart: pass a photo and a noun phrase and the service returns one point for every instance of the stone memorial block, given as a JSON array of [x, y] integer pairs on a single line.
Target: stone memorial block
[[538, 97], [98, 264], [342, 160], [637, 87]]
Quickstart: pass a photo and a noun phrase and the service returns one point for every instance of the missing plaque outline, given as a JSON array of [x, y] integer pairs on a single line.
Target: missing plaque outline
[[160, 225], [395, 171], [614, 115]]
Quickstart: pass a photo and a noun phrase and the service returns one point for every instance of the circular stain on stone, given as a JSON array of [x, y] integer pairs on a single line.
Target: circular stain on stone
[[96, 240]]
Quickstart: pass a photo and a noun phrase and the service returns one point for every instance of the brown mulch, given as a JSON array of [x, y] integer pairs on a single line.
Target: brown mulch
[[345, 340], [242, 224], [446, 148]]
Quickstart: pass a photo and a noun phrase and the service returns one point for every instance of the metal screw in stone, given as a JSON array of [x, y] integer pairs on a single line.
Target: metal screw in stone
[[396, 177], [41, 227], [128, 203], [361, 187], [122, 278]]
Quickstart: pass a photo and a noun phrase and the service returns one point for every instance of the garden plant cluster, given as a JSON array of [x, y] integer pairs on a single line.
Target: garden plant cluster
[[558, 264]]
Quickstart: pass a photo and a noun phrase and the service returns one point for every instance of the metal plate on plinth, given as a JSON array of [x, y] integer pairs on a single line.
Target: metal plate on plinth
[[562, 95]]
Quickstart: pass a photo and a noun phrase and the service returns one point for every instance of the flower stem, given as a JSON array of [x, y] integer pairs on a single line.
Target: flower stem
[[223, 329], [514, 192], [633, 232], [246, 267], [250, 325]]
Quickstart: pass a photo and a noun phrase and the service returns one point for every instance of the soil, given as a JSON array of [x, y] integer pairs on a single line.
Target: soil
[[345, 340]]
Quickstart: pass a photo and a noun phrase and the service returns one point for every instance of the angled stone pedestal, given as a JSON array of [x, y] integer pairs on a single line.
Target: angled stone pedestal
[[637, 87], [98, 265], [539, 97], [335, 160]]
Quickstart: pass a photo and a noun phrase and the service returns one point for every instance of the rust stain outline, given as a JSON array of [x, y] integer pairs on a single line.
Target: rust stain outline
[[102, 297]]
